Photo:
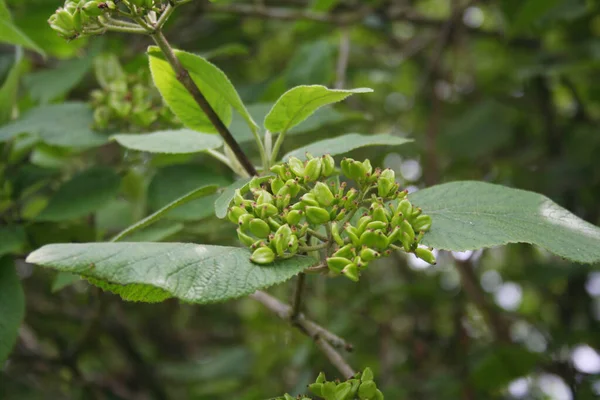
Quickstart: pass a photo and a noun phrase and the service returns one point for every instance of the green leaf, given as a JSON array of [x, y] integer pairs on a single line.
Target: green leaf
[[193, 273], [471, 215], [12, 239], [212, 82], [223, 201], [194, 194], [297, 104], [82, 195], [12, 307], [183, 141], [346, 143], [10, 33], [48, 84], [9, 89], [64, 125], [172, 182]]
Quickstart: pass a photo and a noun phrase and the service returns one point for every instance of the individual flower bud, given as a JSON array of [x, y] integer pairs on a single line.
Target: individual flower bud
[[375, 225], [360, 263], [283, 201], [375, 239], [316, 389], [367, 167], [321, 378], [416, 212], [265, 211], [316, 215], [404, 207], [367, 254], [309, 199], [351, 272], [238, 199], [422, 223], [341, 214], [293, 244], [293, 217], [259, 228], [303, 229], [282, 239], [273, 223], [263, 255], [355, 385], [244, 239], [379, 213], [400, 195], [347, 251], [111, 5], [337, 264], [343, 390], [345, 166], [335, 234], [357, 171], [386, 182], [327, 165], [264, 197], [277, 184], [367, 390], [408, 229], [367, 375], [328, 390], [294, 187], [378, 395], [407, 242], [323, 194], [425, 255], [235, 213], [419, 237], [312, 171], [280, 170], [351, 232], [296, 166], [244, 221], [395, 235]]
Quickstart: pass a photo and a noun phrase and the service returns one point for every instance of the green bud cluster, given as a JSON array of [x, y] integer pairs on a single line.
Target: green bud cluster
[[85, 17], [284, 210], [361, 386], [127, 102]]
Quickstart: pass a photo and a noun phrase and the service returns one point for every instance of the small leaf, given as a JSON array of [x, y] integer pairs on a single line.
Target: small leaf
[[193, 273], [10, 33], [297, 104], [212, 82], [183, 141], [223, 201], [172, 182], [64, 125], [471, 215], [194, 194], [82, 195], [12, 307], [345, 143]]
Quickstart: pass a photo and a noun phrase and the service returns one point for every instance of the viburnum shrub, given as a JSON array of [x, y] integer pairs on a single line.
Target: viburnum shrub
[[295, 214]]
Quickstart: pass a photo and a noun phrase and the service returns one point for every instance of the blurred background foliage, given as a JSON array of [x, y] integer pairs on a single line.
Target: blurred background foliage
[[505, 91]]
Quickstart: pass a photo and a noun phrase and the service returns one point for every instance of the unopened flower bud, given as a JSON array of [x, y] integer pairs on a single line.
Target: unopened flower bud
[[259, 228], [316, 215], [263, 255], [323, 194]]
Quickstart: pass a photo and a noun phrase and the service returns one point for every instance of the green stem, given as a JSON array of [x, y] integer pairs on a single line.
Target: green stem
[[276, 148], [306, 249], [316, 234]]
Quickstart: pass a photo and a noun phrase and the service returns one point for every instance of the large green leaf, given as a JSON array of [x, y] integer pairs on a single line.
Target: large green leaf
[[297, 104], [12, 306], [9, 89], [212, 82], [345, 143], [191, 272], [48, 84], [183, 141], [64, 125], [10, 33], [471, 215], [83, 194], [172, 182]]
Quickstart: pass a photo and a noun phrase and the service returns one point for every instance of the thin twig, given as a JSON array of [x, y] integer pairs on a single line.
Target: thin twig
[[325, 340], [343, 58], [298, 295]]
